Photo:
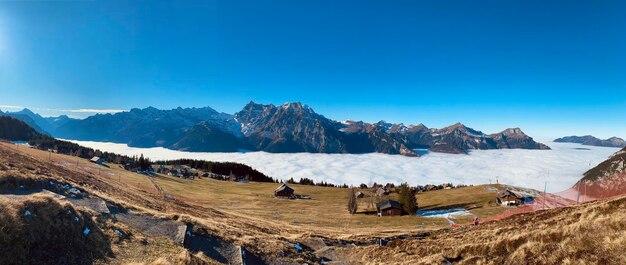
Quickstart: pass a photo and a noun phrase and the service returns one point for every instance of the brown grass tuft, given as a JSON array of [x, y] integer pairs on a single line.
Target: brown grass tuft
[[49, 235]]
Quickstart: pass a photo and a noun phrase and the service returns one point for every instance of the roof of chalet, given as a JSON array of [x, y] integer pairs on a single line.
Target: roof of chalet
[[284, 187], [95, 159], [387, 204], [381, 191]]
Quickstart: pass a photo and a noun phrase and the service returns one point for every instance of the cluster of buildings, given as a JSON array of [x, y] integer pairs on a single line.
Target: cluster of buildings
[[179, 172], [385, 207]]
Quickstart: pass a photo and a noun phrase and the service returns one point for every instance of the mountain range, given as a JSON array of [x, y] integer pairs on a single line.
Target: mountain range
[[287, 128], [593, 141], [45, 125]]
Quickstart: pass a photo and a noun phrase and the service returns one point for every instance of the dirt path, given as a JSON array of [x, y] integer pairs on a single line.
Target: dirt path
[[156, 186]]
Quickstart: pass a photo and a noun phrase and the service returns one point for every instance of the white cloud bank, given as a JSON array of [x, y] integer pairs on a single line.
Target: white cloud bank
[[64, 111], [561, 167]]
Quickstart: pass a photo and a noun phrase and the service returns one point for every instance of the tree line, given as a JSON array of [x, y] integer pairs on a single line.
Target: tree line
[[221, 168], [308, 181]]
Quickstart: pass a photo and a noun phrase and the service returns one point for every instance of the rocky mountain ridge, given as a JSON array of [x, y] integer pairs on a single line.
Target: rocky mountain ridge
[[593, 141], [286, 128]]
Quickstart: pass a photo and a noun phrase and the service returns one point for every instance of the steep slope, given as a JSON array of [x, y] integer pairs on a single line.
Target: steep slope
[[151, 127], [605, 180], [381, 137], [293, 127], [203, 137], [57, 122], [26, 119], [593, 141], [15, 130], [592, 233], [44, 125]]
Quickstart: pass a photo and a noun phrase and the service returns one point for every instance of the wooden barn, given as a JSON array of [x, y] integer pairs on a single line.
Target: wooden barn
[[389, 208], [283, 191]]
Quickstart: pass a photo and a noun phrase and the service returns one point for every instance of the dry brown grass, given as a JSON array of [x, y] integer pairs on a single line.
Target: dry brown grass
[[49, 235], [593, 233], [246, 214], [240, 211]]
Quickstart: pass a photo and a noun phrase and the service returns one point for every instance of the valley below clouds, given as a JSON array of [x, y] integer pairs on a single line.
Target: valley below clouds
[[560, 167]]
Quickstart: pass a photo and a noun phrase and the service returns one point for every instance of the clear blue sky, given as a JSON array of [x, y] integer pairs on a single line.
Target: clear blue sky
[[550, 67]]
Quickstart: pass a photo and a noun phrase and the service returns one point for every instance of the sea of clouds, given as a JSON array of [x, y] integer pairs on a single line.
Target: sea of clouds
[[560, 167]]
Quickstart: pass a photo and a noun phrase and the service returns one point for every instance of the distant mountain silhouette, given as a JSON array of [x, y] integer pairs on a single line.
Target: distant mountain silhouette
[[287, 128], [37, 122], [593, 141]]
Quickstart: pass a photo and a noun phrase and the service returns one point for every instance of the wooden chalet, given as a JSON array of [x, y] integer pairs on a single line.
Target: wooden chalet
[[389, 208], [284, 191], [513, 198]]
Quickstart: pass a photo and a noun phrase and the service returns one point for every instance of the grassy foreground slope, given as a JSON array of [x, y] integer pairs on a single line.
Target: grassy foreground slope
[[247, 215], [591, 233], [325, 214]]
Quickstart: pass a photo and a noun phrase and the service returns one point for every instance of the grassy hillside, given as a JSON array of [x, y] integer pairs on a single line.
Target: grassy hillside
[[247, 214], [325, 213], [591, 233]]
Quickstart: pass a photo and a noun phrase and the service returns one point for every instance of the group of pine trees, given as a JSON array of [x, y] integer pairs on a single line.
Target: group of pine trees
[[308, 181], [15, 130]]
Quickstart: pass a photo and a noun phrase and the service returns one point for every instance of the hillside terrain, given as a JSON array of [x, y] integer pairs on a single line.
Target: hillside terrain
[[237, 214], [593, 141], [15, 130], [591, 233], [223, 217], [288, 128], [605, 180]]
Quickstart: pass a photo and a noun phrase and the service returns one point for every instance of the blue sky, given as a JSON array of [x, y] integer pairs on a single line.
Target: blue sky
[[550, 67]]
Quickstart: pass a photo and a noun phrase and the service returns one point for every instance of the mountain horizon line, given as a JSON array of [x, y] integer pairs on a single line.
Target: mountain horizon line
[[287, 128], [150, 107]]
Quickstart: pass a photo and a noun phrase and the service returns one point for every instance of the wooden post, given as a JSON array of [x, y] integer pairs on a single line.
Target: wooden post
[[545, 188], [578, 194]]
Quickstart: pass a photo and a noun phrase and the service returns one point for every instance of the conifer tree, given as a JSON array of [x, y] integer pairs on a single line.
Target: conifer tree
[[407, 198], [352, 201]]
